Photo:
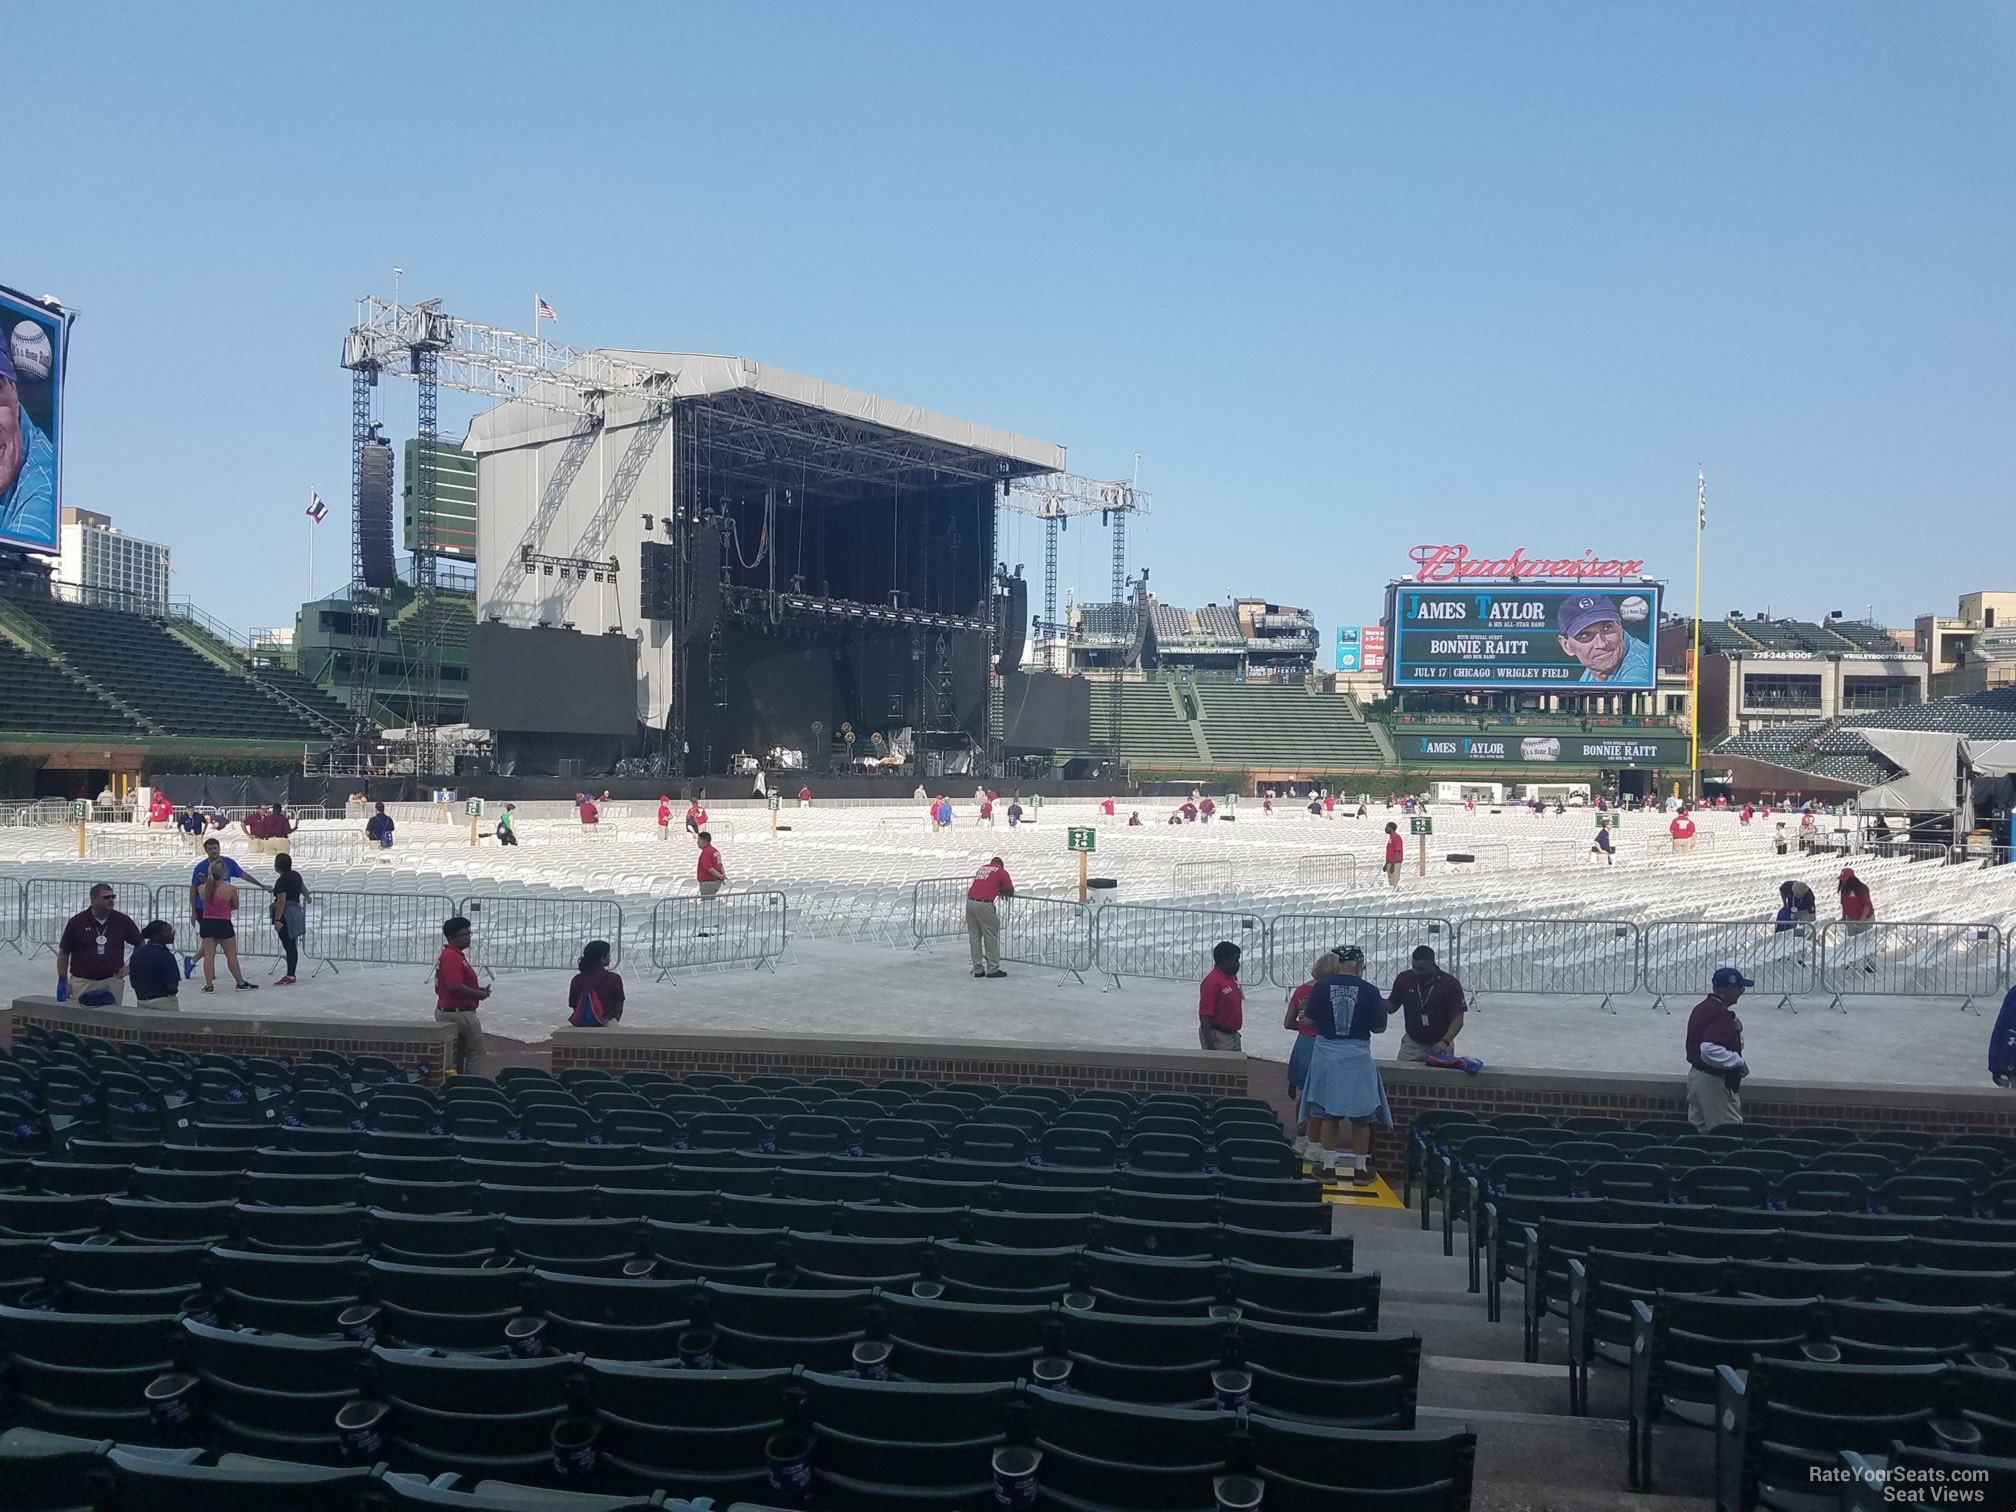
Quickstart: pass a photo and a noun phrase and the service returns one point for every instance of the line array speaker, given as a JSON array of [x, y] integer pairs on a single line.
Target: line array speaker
[[706, 580], [1014, 623], [374, 516], [657, 580]]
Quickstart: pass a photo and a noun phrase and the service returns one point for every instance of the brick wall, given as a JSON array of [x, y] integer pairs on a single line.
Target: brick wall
[[406, 1045], [871, 1060], [1869, 1109]]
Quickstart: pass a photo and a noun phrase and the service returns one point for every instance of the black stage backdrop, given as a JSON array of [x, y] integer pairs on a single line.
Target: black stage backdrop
[[557, 682]]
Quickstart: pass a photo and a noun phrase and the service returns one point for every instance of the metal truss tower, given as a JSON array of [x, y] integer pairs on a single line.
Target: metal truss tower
[[366, 622], [426, 674], [1058, 498]]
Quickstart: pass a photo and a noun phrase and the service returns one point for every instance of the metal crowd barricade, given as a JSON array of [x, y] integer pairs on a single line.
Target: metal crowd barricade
[[343, 928], [1036, 930], [1326, 871], [1294, 941], [1678, 957], [47, 904], [1203, 875], [729, 927], [1557, 957], [534, 932], [1150, 940], [1912, 959]]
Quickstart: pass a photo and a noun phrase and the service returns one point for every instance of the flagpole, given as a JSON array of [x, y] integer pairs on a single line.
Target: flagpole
[[1694, 659], [311, 548]]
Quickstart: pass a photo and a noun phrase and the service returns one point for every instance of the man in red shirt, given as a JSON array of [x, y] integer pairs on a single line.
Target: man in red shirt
[[696, 820], [712, 875], [1430, 1001], [664, 816], [804, 797], [1221, 1006], [1106, 808], [983, 918], [1682, 831], [585, 806], [1396, 852], [457, 996]]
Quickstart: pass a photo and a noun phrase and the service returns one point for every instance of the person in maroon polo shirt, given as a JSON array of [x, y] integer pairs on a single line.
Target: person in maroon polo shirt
[[457, 996], [1221, 1003], [983, 916], [1431, 1002], [1715, 1064]]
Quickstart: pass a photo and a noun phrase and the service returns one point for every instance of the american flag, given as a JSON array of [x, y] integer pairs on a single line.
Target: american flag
[[317, 510], [545, 310]]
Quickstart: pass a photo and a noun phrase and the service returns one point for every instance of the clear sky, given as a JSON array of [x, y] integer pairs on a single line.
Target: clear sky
[[1347, 277]]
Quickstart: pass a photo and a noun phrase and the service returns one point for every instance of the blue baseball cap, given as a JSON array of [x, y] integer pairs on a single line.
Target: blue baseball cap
[[1729, 976], [1585, 609]]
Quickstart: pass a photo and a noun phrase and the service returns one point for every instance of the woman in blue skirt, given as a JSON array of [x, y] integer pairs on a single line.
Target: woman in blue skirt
[[1343, 1096], [1305, 1042]]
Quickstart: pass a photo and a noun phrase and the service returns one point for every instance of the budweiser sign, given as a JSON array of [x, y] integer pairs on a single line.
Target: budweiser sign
[[1454, 564]]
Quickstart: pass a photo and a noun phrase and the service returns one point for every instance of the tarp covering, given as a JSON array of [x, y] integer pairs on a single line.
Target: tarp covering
[[1992, 758], [702, 374], [1929, 759]]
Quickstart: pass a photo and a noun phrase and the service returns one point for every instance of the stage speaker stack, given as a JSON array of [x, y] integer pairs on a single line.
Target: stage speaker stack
[[374, 516], [706, 580], [657, 580], [1014, 623]]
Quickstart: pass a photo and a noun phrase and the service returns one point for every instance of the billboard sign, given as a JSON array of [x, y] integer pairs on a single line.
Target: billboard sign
[[1621, 749], [1564, 638], [1361, 648], [1454, 564], [33, 353]]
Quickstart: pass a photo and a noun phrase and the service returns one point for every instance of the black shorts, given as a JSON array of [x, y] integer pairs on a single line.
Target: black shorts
[[215, 929]]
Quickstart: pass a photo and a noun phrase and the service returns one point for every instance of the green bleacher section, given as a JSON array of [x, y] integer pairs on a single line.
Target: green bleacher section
[[39, 697], [1277, 724], [177, 687], [295, 686], [1152, 732]]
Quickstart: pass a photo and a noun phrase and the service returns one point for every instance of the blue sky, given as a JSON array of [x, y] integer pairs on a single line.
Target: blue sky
[[1347, 277]]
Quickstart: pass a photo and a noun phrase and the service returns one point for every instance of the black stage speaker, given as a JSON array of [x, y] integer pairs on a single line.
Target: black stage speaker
[[1014, 623], [374, 516], [706, 580], [657, 580]]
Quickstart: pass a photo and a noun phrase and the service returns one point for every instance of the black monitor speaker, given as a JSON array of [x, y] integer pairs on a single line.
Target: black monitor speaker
[[374, 516]]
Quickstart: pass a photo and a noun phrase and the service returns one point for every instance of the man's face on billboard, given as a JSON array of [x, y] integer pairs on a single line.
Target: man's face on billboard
[[10, 434], [1599, 647]]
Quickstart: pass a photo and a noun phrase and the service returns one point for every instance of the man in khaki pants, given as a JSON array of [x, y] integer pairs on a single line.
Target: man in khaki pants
[[457, 995], [983, 918]]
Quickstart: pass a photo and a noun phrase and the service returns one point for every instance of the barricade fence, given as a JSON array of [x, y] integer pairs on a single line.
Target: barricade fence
[[530, 932], [1559, 957], [1912, 959], [1208, 874], [1678, 957], [48, 903], [1148, 940], [727, 928], [1036, 930], [1294, 941], [1326, 871]]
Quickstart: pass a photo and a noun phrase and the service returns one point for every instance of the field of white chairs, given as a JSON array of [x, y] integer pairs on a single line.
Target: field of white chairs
[[1537, 914]]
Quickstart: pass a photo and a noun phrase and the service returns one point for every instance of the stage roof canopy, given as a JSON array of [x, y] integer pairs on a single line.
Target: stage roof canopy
[[763, 422]]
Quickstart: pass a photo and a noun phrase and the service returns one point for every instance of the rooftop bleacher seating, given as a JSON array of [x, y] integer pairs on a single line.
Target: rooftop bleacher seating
[[173, 685], [38, 696]]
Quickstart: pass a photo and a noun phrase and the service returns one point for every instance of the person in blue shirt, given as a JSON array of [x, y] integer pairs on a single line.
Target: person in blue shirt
[[212, 851], [1592, 631], [154, 971], [1343, 1096], [2002, 1043], [190, 822], [379, 828]]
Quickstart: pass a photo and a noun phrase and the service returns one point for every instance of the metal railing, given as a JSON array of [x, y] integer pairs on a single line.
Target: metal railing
[[729, 927], [46, 904], [1294, 941], [1036, 930], [1678, 957], [1558, 957], [1174, 944], [342, 928], [1326, 871], [533, 932], [1208, 874], [1911, 959]]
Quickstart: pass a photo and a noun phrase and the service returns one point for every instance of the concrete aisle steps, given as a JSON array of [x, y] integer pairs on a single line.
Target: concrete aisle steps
[[1532, 1456]]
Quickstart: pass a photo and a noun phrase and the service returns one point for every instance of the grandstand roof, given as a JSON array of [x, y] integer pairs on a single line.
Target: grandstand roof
[[811, 410]]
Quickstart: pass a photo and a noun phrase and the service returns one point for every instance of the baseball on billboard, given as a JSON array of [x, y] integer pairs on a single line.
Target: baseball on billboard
[[31, 402]]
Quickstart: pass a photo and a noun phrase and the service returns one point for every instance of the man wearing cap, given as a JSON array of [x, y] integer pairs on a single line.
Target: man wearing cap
[[1715, 1064], [27, 463], [1431, 1005], [1592, 631], [983, 918]]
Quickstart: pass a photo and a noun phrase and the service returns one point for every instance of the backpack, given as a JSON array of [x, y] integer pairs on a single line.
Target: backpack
[[587, 1013]]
